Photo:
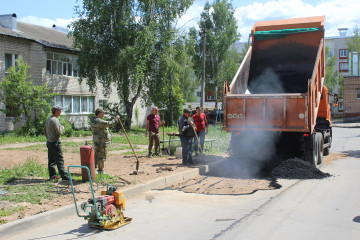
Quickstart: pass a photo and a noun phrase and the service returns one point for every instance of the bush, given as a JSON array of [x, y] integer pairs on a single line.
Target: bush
[[68, 128]]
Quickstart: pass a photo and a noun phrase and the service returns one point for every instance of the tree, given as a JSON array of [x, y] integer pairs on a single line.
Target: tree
[[354, 42], [331, 74], [333, 78], [23, 97], [118, 43], [230, 65], [221, 32], [354, 45]]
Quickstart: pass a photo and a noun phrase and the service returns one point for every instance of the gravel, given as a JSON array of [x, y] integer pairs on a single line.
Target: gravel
[[296, 168]]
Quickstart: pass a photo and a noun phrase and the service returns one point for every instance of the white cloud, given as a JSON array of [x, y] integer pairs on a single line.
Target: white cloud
[[339, 13], [46, 22]]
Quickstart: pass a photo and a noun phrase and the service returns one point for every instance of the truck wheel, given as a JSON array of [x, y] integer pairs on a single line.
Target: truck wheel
[[320, 143], [327, 150], [311, 150]]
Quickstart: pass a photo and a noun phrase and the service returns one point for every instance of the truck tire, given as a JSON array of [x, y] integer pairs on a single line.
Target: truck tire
[[311, 150], [327, 150], [320, 142]]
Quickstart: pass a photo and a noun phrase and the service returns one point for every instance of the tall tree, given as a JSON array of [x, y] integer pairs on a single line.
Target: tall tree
[[230, 65], [354, 46], [331, 74], [221, 32], [118, 42], [170, 73], [354, 42], [21, 97], [334, 81]]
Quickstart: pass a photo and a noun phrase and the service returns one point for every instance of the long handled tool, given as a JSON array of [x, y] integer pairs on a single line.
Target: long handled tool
[[137, 160], [164, 151], [197, 138]]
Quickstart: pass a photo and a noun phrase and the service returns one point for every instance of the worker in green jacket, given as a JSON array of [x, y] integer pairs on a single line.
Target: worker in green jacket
[[101, 136]]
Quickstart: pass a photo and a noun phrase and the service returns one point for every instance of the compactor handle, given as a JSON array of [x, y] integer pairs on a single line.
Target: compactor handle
[[91, 187]]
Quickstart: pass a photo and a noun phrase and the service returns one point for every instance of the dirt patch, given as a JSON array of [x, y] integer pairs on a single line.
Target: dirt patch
[[223, 186], [118, 165], [329, 160]]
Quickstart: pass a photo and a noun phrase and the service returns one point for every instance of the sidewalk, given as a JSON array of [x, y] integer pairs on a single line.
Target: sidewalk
[[25, 224], [346, 125]]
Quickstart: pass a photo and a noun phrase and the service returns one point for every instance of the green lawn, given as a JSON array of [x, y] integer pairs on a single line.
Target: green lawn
[[119, 141]]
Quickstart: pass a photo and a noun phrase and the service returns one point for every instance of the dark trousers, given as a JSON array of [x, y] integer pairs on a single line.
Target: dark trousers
[[154, 137], [201, 136], [55, 158], [186, 144]]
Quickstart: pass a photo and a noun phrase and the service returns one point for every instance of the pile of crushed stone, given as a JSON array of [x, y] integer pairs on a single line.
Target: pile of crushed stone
[[296, 168]]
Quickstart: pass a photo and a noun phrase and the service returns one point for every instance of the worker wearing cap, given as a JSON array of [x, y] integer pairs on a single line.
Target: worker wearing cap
[[201, 125], [152, 124], [101, 136], [186, 132], [53, 131]]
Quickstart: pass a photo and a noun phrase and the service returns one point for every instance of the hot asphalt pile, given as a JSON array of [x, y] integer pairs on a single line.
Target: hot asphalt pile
[[296, 168]]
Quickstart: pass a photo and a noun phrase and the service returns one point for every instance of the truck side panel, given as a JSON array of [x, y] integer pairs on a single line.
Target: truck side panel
[[286, 112]]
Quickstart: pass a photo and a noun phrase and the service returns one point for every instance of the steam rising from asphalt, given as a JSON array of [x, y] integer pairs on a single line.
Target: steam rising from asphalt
[[250, 150], [267, 82]]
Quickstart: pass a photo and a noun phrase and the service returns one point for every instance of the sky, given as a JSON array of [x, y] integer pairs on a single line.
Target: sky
[[339, 13]]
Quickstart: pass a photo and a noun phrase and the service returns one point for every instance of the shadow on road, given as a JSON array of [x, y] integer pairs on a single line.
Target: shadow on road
[[353, 153], [84, 231]]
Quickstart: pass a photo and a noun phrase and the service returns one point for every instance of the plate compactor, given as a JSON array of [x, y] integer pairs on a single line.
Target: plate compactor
[[103, 212]]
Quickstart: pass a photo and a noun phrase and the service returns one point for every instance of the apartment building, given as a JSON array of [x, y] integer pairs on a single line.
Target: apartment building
[[52, 60]]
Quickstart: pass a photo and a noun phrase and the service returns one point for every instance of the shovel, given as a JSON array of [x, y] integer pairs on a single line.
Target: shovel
[[197, 138], [164, 151], [137, 160]]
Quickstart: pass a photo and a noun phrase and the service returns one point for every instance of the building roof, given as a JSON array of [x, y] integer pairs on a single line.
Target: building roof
[[43, 35]]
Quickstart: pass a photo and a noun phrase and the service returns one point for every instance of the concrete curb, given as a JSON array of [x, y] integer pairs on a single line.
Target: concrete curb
[[25, 224], [346, 126]]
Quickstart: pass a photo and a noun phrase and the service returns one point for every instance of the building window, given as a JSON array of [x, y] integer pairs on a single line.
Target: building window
[[103, 103], [343, 67], [61, 64], [75, 104], [10, 60], [343, 53], [210, 98], [198, 94], [358, 94]]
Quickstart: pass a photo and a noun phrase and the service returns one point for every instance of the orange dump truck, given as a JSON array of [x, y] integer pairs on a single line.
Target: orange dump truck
[[279, 86]]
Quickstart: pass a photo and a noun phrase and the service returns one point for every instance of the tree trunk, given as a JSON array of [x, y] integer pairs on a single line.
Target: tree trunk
[[129, 111], [171, 112], [27, 118], [216, 96]]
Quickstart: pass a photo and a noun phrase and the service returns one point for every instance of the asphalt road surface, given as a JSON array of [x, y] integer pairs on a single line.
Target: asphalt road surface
[[307, 209]]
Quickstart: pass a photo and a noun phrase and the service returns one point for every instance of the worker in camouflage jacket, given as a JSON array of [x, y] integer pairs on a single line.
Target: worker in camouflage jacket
[[101, 136]]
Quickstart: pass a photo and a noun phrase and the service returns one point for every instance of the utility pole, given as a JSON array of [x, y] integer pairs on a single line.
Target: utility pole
[[202, 100]]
